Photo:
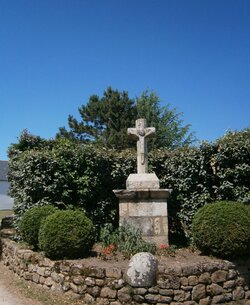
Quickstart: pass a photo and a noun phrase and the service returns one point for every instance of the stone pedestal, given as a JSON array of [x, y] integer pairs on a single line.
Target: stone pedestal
[[145, 209]]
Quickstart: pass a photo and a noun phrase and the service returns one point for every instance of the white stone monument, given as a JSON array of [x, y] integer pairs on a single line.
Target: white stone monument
[[143, 204]]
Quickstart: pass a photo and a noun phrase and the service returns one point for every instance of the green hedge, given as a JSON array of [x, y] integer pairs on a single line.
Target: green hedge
[[29, 224], [222, 229], [71, 175], [66, 234]]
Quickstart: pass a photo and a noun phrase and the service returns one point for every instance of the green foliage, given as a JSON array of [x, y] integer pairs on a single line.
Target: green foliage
[[231, 165], [170, 131], [29, 225], [66, 234], [222, 229], [68, 174], [127, 239], [105, 121]]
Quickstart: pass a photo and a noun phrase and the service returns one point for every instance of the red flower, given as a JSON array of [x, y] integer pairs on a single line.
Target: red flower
[[164, 246]]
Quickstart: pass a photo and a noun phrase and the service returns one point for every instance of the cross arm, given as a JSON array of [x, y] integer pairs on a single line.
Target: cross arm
[[132, 133]]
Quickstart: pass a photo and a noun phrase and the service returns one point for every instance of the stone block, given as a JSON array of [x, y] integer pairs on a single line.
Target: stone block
[[214, 289], [219, 276], [147, 208], [199, 292], [142, 181], [106, 292], [141, 270], [238, 294], [124, 295]]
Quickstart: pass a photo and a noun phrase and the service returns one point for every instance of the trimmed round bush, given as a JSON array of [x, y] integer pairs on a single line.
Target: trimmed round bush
[[66, 234], [222, 229], [29, 224]]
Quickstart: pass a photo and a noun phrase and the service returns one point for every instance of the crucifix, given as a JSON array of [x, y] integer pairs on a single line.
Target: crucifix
[[141, 133]]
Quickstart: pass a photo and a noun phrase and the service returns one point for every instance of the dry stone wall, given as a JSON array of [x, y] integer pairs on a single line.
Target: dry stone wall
[[218, 282]]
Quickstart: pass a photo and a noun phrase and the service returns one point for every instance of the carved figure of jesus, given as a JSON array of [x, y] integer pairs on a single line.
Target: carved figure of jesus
[[141, 133]]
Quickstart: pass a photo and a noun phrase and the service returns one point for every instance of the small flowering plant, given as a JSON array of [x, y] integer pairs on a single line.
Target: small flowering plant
[[109, 251], [166, 250]]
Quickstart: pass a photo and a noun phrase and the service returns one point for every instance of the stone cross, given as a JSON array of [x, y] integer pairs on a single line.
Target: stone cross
[[141, 133]]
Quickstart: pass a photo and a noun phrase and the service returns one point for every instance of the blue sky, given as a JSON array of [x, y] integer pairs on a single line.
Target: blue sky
[[54, 54]]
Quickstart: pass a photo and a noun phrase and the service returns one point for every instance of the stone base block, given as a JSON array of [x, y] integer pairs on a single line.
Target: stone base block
[[142, 181], [147, 210]]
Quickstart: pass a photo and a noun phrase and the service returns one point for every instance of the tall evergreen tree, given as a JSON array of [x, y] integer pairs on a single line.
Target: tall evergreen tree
[[105, 120], [170, 131]]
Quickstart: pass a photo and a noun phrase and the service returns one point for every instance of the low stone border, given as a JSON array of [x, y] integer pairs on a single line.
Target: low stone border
[[200, 284]]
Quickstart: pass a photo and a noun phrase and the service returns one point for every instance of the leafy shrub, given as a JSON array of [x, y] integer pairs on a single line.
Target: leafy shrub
[[126, 239], [29, 225], [66, 234], [62, 172], [222, 229]]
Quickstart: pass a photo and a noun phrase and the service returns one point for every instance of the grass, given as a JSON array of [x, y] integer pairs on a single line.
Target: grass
[[4, 213]]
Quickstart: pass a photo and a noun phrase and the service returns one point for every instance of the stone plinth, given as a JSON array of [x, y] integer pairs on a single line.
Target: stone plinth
[[145, 209], [142, 181]]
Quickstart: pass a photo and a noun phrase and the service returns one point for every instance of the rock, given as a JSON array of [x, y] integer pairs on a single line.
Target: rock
[[141, 271], [106, 292], [199, 292], [214, 289], [219, 276], [205, 278], [192, 280], [124, 295], [238, 294]]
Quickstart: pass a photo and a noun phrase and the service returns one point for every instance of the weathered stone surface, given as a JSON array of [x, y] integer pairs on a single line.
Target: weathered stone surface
[[179, 295], [199, 292], [124, 295], [142, 181], [57, 277], [114, 273], [247, 294], [166, 292], [169, 282], [96, 272], [192, 280], [238, 294], [41, 271], [140, 291], [184, 281], [138, 298], [232, 274], [153, 289], [205, 301], [89, 281], [214, 289], [190, 270], [99, 282], [94, 291], [115, 303], [204, 278], [119, 283], [152, 298], [106, 292], [101, 301], [49, 282], [219, 276], [219, 299], [77, 279], [229, 284], [141, 271], [56, 288], [88, 299]]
